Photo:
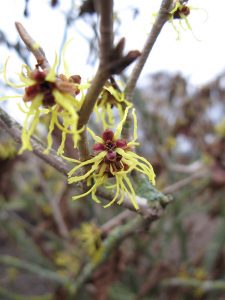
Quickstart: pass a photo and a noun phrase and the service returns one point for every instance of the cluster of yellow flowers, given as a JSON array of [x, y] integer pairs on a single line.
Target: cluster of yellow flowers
[[61, 97]]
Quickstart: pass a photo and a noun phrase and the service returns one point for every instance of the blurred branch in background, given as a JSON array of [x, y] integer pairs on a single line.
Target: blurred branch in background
[[203, 286], [17, 47]]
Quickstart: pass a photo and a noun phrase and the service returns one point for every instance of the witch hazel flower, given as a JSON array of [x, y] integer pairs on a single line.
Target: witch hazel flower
[[111, 97], [45, 92], [112, 164], [181, 11]]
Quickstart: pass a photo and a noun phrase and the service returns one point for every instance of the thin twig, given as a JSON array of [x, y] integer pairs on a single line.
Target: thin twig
[[161, 19], [15, 296], [18, 47], [202, 285], [33, 47], [186, 169], [106, 30], [54, 203], [50, 275], [203, 173], [116, 221], [15, 130], [105, 9], [126, 215], [143, 203]]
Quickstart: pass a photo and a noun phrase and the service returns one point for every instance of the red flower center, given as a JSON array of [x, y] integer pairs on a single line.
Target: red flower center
[[41, 86], [112, 158], [110, 145]]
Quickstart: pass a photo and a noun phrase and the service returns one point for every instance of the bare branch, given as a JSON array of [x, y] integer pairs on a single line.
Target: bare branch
[[156, 29], [116, 221], [18, 47], [187, 169], [112, 60], [51, 275], [203, 173], [54, 203], [14, 129], [92, 96], [201, 285], [105, 9], [33, 47]]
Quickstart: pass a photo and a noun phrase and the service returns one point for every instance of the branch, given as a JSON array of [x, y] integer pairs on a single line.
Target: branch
[[105, 9], [33, 47], [54, 203], [13, 296], [112, 60], [204, 286], [161, 19], [14, 129], [20, 49], [187, 169], [126, 215], [92, 95], [50, 275], [116, 221], [106, 30], [203, 173], [146, 208]]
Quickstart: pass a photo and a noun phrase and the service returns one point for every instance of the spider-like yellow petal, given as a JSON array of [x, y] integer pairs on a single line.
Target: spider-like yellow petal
[[96, 138], [66, 123], [85, 175], [22, 109], [116, 195], [86, 193], [61, 100], [135, 126], [27, 81], [133, 195], [92, 190], [120, 125], [9, 97], [26, 133], [65, 64], [50, 130], [8, 82], [97, 159], [110, 114], [51, 76]]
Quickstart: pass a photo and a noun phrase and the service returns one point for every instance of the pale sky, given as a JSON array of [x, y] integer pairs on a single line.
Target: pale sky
[[199, 61]]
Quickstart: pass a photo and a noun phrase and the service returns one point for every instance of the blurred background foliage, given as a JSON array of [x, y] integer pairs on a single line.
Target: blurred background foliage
[[46, 239]]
